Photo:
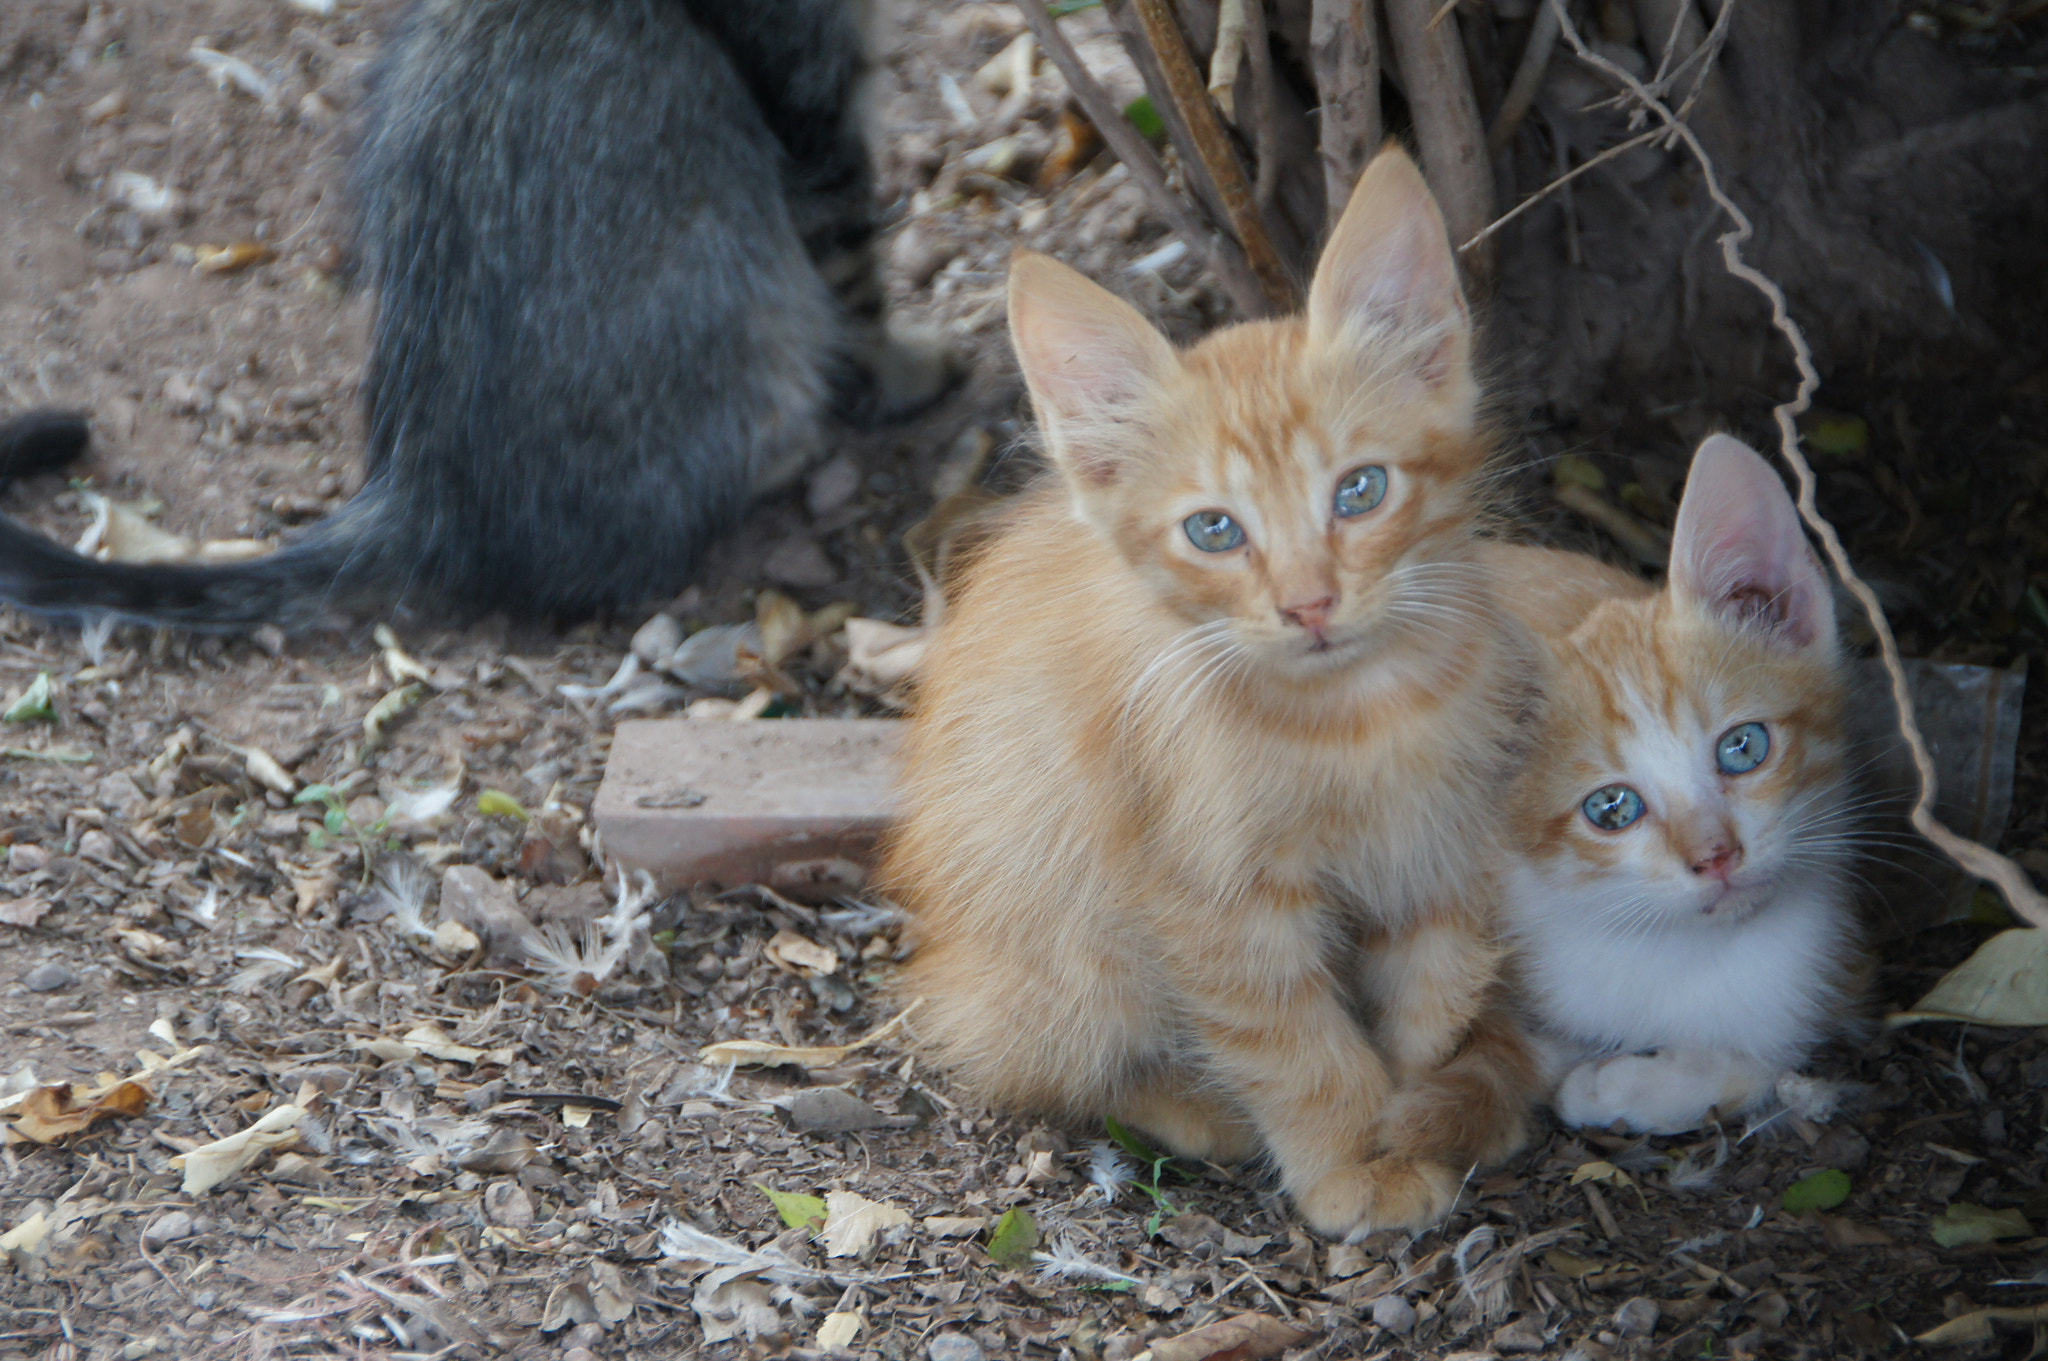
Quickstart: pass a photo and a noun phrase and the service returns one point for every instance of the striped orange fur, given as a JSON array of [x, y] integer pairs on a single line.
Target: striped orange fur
[[1201, 839]]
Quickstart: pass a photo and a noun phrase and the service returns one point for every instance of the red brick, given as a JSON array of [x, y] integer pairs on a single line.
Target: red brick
[[696, 800]]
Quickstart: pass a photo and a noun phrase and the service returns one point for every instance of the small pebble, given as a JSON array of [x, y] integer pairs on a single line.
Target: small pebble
[[26, 859], [801, 563], [172, 1227], [1394, 1314], [1637, 1318], [50, 977], [1523, 1335], [832, 486], [953, 1347], [828, 1110]]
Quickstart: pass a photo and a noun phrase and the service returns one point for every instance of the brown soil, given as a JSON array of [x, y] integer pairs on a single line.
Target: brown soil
[[438, 1206]]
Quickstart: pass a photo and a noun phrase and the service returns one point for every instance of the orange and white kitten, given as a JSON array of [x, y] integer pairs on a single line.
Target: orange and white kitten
[[1200, 799], [1680, 897]]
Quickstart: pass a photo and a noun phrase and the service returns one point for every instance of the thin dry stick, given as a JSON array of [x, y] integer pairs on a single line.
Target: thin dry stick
[[1654, 134], [1972, 856], [1212, 144], [1266, 115], [1220, 253], [1528, 79], [1453, 142], [1229, 55], [1343, 47]]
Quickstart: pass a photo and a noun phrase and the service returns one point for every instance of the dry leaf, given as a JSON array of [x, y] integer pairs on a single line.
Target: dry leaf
[[50, 1113], [731, 1303], [265, 770], [954, 1226], [881, 656], [454, 938], [211, 1164], [852, 1221], [1976, 1326], [838, 1330], [436, 1043], [2004, 983], [802, 955], [1601, 1171], [230, 259], [23, 911], [762, 1053], [1244, 1337], [24, 1241]]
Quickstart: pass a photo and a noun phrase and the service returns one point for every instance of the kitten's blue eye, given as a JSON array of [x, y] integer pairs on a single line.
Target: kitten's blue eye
[[1613, 808], [1743, 748], [1212, 531], [1361, 490]]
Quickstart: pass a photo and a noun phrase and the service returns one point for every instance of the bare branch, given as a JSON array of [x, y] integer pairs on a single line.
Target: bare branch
[[1219, 252], [1344, 49], [1432, 62], [1184, 86]]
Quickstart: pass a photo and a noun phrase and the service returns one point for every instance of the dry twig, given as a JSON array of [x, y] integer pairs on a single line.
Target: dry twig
[[1344, 49], [1972, 856], [1221, 254], [1185, 87], [1447, 127]]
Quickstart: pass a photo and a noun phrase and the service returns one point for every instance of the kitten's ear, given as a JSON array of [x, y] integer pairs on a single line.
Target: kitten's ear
[[1091, 361], [1388, 275], [1738, 548]]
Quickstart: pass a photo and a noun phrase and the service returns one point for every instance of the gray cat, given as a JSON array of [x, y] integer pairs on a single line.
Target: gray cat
[[622, 257]]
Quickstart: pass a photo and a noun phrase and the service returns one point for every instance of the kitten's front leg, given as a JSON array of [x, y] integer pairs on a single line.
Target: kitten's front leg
[[1428, 981], [1275, 1031], [1667, 1091]]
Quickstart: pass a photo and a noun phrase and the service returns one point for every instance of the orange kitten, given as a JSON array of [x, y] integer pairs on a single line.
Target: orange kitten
[[1680, 893], [1199, 799]]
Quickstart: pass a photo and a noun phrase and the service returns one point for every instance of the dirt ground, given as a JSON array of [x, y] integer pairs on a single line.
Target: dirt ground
[[497, 1153]]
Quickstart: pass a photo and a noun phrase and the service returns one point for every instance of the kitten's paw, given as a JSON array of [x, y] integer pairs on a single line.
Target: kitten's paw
[[1385, 1193], [1647, 1093], [1191, 1126]]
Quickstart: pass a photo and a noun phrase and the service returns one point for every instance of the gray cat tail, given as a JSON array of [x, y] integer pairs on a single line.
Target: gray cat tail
[[337, 562], [40, 442]]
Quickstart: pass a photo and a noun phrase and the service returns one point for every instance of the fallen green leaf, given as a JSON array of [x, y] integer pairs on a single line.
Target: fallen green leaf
[[1130, 1143], [1015, 1239], [1145, 118], [2004, 983], [497, 803], [37, 704], [65, 755], [1963, 1223], [1576, 470], [1821, 1191], [798, 1211], [1836, 434]]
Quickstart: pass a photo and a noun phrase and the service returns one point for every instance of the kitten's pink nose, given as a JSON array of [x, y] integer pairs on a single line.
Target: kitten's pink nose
[[1720, 861], [1313, 616]]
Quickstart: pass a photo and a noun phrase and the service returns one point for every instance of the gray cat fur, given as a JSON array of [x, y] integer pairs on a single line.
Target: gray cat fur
[[600, 234]]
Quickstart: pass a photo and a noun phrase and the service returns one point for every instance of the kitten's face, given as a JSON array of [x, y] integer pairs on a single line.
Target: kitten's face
[[1689, 770], [1296, 492], [1691, 762], [1303, 505]]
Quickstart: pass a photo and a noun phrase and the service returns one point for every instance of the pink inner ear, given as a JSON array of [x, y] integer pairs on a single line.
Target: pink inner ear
[[1738, 549]]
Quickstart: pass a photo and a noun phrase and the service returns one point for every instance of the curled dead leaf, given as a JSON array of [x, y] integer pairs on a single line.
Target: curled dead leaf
[[211, 1164], [800, 954], [1242, 1337], [761, 1053], [51, 1113]]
